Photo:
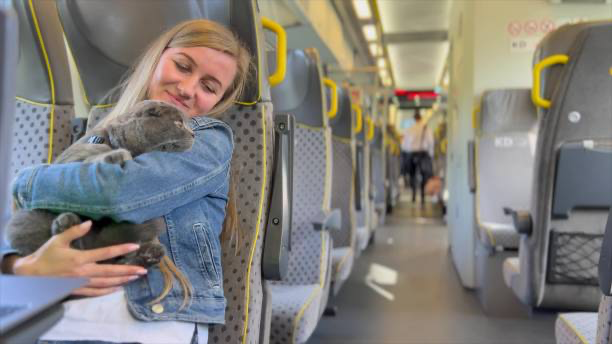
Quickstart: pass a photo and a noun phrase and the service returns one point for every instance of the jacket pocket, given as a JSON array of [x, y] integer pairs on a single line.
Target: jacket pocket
[[206, 255]]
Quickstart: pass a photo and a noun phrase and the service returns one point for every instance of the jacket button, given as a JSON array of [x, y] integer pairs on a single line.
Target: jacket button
[[157, 308]]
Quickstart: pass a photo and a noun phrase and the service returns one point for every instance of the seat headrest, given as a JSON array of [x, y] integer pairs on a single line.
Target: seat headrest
[[507, 110], [33, 81], [342, 124], [557, 42], [107, 37], [301, 93]]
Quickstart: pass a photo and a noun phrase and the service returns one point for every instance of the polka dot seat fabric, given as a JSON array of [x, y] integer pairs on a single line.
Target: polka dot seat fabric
[[31, 133], [576, 328], [299, 300], [604, 320], [342, 185], [251, 168]]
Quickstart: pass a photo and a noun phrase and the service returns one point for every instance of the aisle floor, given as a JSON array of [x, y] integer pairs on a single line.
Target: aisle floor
[[429, 304]]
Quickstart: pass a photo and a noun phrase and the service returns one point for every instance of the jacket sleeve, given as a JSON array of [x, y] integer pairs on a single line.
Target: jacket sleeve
[[151, 185]]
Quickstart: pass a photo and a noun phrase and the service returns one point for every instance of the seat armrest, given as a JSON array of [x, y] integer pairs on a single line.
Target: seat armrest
[[277, 242], [358, 177], [331, 220], [521, 219]]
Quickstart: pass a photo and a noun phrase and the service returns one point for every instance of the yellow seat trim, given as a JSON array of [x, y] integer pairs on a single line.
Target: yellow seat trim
[[51, 80], [258, 225], [580, 336]]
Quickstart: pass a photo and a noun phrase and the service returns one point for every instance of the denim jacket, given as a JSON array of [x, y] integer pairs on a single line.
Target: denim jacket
[[189, 189]]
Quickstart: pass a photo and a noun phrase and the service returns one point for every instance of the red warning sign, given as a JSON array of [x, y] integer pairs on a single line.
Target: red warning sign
[[515, 28], [531, 27], [547, 26]]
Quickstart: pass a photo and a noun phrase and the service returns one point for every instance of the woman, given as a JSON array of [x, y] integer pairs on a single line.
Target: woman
[[202, 68]]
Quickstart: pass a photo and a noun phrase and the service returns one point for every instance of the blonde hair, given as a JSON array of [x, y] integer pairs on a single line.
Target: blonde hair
[[134, 88]]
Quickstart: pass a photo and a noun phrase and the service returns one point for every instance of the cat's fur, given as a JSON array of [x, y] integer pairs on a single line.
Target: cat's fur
[[148, 126]]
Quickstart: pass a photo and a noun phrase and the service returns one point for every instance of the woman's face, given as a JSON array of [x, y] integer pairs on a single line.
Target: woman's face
[[194, 79]]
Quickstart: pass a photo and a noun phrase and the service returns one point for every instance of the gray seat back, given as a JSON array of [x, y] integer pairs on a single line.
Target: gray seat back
[[362, 202], [301, 94], [44, 105], [8, 61], [392, 173], [504, 163], [343, 183], [105, 37], [572, 190], [378, 165], [100, 50]]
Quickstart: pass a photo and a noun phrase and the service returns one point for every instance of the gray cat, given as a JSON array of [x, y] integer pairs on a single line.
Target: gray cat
[[148, 126]]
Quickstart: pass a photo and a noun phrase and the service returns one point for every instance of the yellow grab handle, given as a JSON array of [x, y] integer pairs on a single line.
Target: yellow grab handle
[[359, 125], [370, 123], [333, 109], [475, 113], [281, 51], [537, 73]]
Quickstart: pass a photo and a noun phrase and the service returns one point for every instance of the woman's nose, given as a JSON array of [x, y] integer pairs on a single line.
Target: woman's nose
[[187, 87]]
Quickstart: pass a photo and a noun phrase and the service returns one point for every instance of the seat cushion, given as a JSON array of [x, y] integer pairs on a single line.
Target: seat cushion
[[576, 328], [342, 263], [511, 270], [295, 312], [498, 234]]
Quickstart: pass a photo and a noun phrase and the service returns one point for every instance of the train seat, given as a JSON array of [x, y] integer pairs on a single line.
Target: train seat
[[392, 169], [362, 187], [378, 172], [299, 300], [343, 185], [105, 38], [562, 229], [504, 149]]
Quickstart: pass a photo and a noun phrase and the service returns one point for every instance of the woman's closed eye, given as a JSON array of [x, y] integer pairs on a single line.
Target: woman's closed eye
[[185, 68], [208, 87]]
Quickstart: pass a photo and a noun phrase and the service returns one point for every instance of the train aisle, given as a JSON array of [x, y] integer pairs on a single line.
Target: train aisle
[[404, 289]]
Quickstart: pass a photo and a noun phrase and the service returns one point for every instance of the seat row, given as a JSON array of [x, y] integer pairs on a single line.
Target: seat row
[[540, 170], [315, 174]]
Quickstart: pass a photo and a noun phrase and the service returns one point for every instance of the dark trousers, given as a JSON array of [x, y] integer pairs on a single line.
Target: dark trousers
[[416, 164]]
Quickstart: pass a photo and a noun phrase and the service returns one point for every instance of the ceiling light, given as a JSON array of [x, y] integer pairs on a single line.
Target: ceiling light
[[362, 8], [375, 49], [369, 31], [381, 62], [383, 73]]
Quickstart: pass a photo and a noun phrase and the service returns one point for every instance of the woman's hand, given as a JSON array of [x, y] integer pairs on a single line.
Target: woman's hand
[[57, 258]]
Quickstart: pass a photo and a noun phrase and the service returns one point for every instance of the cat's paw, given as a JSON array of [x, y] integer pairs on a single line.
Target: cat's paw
[[64, 221], [151, 254], [116, 156]]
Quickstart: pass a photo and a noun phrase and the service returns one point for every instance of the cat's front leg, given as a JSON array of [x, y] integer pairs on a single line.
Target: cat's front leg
[[64, 221]]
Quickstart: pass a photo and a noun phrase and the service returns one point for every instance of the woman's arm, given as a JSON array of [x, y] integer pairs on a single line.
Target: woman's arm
[[57, 258], [149, 186]]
